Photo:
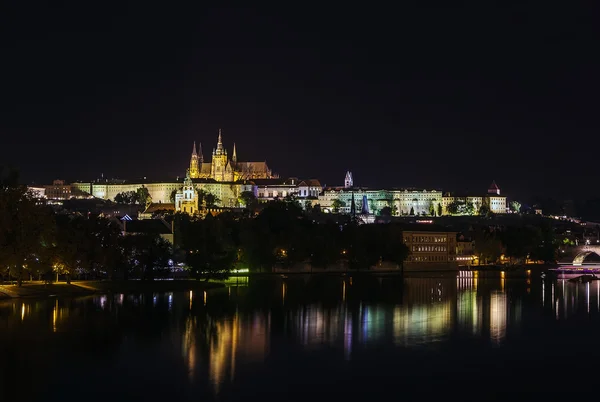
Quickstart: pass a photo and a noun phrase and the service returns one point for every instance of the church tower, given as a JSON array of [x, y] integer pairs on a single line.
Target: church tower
[[234, 155], [494, 189], [194, 171], [219, 160], [348, 182]]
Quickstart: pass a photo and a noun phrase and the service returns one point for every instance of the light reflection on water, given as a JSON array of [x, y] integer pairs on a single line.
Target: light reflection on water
[[226, 333]]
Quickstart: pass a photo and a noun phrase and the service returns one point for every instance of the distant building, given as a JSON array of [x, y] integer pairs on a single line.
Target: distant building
[[400, 201], [58, 190], [348, 181], [186, 199], [434, 248], [492, 199], [39, 192], [156, 208], [222, 168], [270, 189]]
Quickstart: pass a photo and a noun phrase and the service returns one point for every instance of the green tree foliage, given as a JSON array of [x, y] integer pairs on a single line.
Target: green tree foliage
[[439, 209], [432, 209], [248, 200], [460, 207], [515, 206], [412, 211], [173, 194], [143, 196], [336, 205]]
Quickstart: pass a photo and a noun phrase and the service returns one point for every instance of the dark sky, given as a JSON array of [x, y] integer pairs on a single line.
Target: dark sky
[[443, 97]]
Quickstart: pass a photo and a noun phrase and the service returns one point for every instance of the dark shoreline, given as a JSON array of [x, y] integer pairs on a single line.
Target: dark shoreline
[[84, 288]]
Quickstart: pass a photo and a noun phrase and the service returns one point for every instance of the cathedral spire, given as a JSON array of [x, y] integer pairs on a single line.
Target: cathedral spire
[[220, 144], [194, 149], [200, 157], [234, 156]]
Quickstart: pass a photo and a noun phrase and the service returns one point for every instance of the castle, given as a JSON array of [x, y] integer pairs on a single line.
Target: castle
[[221, 168]]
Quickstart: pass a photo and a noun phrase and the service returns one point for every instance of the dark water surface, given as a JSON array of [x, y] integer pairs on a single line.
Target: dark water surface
[[487, 336]]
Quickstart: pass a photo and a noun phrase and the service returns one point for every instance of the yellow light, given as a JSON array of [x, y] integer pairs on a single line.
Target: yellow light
[[191, 298], [22, 311], [205, 297]]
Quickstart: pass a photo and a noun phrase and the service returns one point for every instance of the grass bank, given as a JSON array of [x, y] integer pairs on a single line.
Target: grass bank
[[82, 288]]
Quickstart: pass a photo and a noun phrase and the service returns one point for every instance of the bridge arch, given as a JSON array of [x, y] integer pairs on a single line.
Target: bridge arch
[[585, 251]]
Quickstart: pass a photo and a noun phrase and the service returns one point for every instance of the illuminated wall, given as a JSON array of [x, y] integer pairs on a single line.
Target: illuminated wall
[[228, 193]]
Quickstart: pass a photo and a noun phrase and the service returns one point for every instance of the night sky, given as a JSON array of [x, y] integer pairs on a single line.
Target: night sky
[[447, 98]]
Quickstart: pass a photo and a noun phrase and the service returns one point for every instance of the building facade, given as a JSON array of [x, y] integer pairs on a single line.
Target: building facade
[[400, 202], [270, 189], [430, 249], [222, 168], [186, 199], [161, 192]]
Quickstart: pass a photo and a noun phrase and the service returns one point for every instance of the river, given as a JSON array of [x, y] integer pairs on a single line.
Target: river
[[475, 336]]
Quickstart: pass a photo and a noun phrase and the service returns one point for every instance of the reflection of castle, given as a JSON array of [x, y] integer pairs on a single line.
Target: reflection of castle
[[221, 168]]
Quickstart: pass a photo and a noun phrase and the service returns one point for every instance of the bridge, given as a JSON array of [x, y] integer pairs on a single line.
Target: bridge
[[580, 253]]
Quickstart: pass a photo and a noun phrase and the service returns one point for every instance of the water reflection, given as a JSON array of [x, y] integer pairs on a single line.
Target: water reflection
[[224, 335]]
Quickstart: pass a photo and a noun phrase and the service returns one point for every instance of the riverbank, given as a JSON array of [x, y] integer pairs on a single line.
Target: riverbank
[[83, 288]]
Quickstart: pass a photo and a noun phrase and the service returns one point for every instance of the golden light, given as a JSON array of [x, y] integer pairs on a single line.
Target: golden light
[[22, 311], [191, 298], [205, 297]]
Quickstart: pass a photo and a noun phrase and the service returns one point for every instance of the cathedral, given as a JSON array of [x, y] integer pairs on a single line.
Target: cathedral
[[222, 168]]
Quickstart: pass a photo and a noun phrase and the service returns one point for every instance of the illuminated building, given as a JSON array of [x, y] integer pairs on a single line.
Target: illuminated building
[[186, 199], [270, 189], [430, 248], [161, 191], [493, 200], [402, 202], [221, 168]]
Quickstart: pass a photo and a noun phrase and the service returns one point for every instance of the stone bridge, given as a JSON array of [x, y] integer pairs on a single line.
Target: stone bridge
[[581, 252]]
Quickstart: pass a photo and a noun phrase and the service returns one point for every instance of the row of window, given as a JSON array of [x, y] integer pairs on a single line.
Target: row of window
[[426, 239], [429, 248], [429, 258]]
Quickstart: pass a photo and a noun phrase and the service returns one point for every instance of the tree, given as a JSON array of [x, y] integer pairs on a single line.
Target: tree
[[412, 211], [515, 206], [147, 254], [210, 248], [211, 199], [173, 194], [126, 197], [432, 209], [72, 246], [386, 211], [143, 196], [336, 205], [439, 209], [248, 200], [26, 226], [488, 246], [484, 209]]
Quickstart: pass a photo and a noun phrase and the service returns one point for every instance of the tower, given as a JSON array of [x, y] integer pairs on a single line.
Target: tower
[[194, 171], [186, 199], [234, 155], [494, 189], [219, 160], [348, 182]]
